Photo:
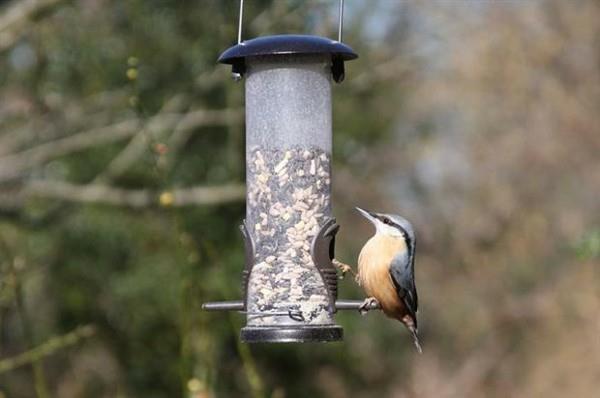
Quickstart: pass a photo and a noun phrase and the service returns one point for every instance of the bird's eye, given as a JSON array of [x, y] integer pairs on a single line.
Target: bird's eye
[[386, 221]]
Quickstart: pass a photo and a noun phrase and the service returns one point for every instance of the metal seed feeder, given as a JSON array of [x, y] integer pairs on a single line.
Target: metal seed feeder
[[289, 282]]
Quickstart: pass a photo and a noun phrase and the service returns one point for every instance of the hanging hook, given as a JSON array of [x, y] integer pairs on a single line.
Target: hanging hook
[[240, 21], [341, 21], [238, 68], [237, 72]]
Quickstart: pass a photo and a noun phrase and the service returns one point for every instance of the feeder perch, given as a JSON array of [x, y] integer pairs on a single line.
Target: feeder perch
[[289, 282]]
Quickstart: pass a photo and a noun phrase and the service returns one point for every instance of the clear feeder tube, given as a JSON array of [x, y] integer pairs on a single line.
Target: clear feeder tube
[[288, 175]]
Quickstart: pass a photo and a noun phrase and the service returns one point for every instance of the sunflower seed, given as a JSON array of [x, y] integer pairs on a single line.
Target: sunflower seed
[[287, 201]]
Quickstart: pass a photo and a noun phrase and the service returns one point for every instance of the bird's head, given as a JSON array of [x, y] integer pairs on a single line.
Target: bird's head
[[390, 225]]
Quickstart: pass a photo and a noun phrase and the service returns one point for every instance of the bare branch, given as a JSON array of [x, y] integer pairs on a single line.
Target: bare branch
[[48, 348], [209, 195], [185, 127], [132, 152], [138, 145], [13, 165], [96, 110], [136, 198], [17, 18]]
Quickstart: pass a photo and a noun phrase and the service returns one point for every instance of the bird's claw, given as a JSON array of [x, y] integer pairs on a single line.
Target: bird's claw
[[344, 268], [367, 305]]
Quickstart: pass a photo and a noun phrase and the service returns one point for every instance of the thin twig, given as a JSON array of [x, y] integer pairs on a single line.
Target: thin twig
[[47, 348], [39, 378], [13, 165], [140, 143], [132, 152], [85, 113], [136, 198], [195, 119]]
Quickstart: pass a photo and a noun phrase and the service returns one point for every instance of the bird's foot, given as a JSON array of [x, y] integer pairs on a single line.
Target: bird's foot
[[370, 303], [344, 268]]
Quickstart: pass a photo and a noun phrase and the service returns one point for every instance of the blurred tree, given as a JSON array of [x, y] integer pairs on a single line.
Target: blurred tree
[[121, 174], [121, 188]]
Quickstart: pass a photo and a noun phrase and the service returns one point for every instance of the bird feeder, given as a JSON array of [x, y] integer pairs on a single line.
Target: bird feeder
[[289, 282]]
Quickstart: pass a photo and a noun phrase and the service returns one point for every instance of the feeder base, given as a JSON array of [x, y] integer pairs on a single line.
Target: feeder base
[[289, 334]]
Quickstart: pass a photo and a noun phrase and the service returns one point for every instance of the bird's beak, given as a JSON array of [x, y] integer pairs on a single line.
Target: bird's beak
[[367, 214]]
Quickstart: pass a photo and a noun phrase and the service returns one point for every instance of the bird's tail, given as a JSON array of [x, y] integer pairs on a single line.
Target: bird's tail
[[415, 335], [411, 325]]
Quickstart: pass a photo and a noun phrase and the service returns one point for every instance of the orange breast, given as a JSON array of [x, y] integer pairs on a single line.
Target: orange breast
[[373, 272]]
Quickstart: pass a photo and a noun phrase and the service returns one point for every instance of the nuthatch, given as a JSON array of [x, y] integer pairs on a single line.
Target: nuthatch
[[386, 269]]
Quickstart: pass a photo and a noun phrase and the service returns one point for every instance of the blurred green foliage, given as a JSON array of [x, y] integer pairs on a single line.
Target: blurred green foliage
[[476, 122]]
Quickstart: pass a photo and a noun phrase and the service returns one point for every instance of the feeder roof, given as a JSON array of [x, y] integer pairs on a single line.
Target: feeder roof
[[287, 44]]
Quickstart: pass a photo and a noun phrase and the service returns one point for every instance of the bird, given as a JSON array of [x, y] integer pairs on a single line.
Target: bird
[[386, 270]]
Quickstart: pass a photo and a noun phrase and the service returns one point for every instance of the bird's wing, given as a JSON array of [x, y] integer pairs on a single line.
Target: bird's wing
[[402, 273]]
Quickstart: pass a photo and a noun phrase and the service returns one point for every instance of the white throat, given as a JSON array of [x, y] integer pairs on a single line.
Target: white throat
[[387, 230]]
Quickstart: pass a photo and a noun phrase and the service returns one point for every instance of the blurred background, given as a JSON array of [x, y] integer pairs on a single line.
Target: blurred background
[[121, 192]]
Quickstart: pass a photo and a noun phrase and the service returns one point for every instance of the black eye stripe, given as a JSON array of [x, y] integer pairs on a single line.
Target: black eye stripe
[[407, 237], [388, 221]]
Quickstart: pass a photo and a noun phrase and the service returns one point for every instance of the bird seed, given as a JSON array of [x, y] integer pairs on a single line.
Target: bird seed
[[288, 198]]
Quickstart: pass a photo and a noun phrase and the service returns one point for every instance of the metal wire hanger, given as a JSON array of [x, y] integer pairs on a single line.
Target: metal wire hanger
[[340, 21]]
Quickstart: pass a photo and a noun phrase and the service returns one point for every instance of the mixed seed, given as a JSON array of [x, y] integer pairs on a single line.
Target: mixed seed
[[288, 201]]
